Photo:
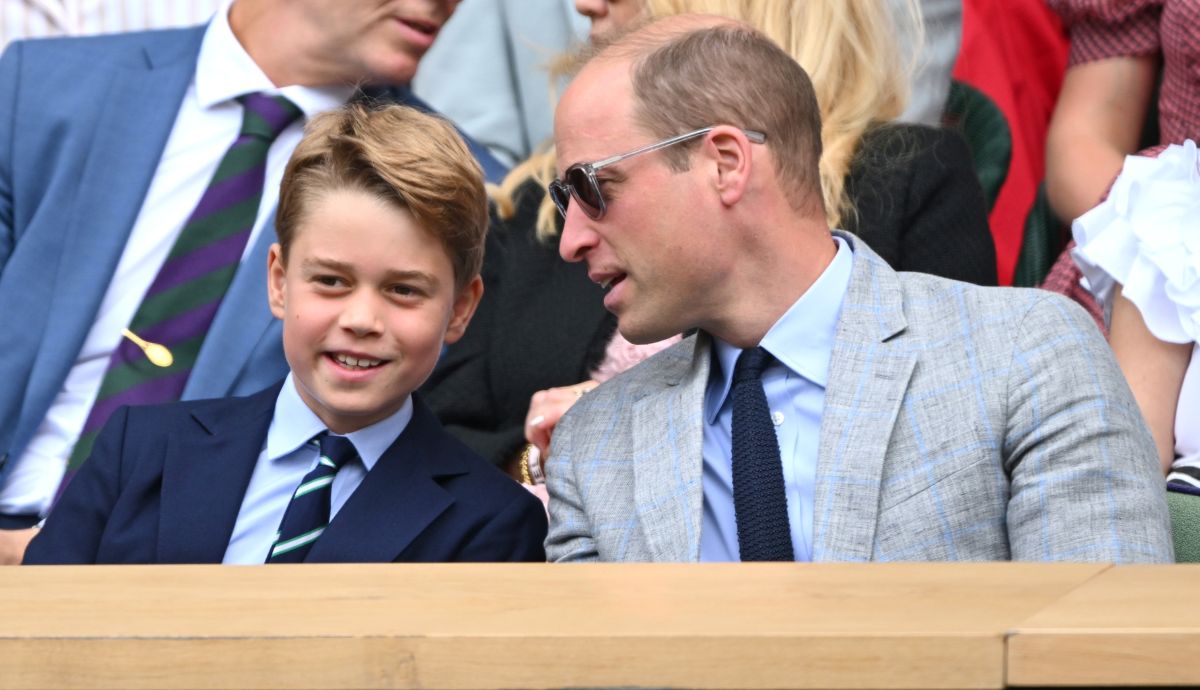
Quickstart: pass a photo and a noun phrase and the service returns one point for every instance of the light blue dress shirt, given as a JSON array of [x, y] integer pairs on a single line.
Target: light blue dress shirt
[[802, 343], [284, 460]]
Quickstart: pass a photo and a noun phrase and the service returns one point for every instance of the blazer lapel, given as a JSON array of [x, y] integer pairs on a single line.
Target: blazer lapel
[[868, 376], [667, 435], [205, 474], [397, 500], [130, 133]]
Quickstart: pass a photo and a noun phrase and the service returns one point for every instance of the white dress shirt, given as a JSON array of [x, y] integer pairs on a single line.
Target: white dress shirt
[[208, 122]]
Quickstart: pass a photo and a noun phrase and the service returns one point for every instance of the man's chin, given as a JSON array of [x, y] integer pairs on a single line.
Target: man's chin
[[392, 69], [641, 333]]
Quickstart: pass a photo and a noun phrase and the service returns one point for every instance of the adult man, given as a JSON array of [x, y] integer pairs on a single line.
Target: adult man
[[873, 415], [117, 186]]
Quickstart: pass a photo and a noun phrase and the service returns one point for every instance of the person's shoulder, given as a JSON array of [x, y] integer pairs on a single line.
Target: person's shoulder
[[652, 375], [594, 413], [995, 308], [455, 458], [167, 418], [107, 45]]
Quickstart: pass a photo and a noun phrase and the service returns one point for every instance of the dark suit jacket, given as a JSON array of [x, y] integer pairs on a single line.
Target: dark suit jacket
[[164, 484], [919, 205], [542, 323]]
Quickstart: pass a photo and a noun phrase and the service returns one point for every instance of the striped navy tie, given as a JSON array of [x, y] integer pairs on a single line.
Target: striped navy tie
[[307, 513]]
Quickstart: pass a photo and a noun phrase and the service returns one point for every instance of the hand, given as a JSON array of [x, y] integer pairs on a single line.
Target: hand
[[13, 543], [546, 408]]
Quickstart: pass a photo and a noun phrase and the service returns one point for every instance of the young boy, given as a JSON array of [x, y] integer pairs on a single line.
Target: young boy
[[381, 222]]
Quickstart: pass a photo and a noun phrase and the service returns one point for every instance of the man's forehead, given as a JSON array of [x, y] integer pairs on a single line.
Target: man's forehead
[[595, 112]]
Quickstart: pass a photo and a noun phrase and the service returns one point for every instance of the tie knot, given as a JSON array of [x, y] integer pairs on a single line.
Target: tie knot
[[266, 116], [751, 363], [335, 449]]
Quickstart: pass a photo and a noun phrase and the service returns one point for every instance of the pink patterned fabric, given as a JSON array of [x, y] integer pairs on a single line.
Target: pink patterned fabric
[[1112, 28], [621, 355]]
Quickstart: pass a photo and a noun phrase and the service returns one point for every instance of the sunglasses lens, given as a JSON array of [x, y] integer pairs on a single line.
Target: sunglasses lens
[[585, 190], [561, 196]]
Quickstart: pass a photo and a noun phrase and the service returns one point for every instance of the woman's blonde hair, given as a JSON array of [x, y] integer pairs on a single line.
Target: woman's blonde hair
[[848, 48]]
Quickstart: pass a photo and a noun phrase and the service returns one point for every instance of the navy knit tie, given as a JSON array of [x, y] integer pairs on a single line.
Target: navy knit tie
[[307, 513], [759, 499]]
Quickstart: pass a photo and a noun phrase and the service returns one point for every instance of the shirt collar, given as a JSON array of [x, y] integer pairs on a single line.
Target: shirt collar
[[802, 339], [295, 424], [224, 71]]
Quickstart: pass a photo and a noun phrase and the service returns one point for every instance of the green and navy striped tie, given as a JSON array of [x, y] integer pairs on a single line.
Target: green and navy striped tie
[[307, 513], [180, 304]]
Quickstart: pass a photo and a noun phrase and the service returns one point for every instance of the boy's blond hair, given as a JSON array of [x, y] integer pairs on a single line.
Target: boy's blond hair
[[409, 158]]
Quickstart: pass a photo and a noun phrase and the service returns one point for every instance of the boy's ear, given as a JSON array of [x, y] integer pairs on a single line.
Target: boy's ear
[[464, 308], [276, 285]]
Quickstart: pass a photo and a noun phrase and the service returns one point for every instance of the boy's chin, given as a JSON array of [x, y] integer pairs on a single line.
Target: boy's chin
[[345, 411]]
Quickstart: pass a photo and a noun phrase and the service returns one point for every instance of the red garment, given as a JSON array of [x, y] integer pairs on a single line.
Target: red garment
[[1112, 28], [1015, 51]]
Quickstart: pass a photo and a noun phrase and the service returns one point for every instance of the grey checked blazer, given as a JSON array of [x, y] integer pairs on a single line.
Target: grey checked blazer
[[960, 423]]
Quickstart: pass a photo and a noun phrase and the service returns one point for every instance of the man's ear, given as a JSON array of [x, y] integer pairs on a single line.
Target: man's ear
[[465, 303], [730, 151], [276, 285]]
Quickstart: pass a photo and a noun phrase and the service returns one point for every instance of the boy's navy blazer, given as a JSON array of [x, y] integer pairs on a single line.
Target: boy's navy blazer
[[165, 483]]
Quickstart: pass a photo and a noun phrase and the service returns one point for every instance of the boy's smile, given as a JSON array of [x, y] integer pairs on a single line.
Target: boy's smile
[[367, 299]]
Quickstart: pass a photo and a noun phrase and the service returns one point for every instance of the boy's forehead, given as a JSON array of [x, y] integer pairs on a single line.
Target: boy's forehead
[[352, 228]]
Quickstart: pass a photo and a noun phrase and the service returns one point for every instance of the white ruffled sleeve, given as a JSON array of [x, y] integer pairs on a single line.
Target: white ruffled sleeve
[[1146, 237]]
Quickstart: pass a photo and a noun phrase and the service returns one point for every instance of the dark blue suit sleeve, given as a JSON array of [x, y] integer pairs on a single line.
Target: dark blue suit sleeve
[[72, 533], [516, 534]]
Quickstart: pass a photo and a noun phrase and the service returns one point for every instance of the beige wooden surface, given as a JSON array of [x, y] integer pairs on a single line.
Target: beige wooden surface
[[376, 626], [1132, 625]]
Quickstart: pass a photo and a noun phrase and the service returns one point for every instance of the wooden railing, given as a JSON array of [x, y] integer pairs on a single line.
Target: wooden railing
[[549, 626]]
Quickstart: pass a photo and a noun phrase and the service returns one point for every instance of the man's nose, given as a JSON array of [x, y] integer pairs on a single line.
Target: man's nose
[[577, 235]]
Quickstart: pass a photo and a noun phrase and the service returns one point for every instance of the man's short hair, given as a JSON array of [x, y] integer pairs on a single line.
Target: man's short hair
[[733, 75], [411, 159]]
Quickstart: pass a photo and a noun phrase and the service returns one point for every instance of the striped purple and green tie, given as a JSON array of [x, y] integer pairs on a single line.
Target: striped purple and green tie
[[179, 307]]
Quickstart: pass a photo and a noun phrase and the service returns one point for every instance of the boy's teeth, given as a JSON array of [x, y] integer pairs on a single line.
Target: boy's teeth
[[360, 363]]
